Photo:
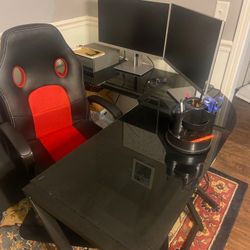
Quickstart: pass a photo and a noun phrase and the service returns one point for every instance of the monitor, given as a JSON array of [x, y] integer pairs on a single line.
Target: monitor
[[133, 24], [191, 45]]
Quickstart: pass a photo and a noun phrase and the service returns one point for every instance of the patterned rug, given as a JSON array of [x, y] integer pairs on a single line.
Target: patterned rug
[[226, 191]]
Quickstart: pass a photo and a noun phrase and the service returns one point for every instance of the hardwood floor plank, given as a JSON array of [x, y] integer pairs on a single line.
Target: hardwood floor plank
[[234, 160]]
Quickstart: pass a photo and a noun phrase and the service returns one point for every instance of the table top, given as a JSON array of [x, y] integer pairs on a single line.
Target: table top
[[114, 191]]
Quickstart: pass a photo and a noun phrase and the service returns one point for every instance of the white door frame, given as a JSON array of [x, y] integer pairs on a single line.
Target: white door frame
[[239, 46]]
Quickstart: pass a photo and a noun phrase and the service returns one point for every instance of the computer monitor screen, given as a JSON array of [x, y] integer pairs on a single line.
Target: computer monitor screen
[[133, 24], [191, 44]]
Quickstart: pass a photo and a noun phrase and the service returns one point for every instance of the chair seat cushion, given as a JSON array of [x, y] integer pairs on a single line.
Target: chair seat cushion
[[62, 143], [51, 110]]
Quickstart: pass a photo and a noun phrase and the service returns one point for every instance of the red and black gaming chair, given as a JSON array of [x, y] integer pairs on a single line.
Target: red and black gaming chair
[[44, 108]]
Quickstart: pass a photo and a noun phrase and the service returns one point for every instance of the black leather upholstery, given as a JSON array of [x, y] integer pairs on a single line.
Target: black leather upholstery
[[35, 47], [20, 145]]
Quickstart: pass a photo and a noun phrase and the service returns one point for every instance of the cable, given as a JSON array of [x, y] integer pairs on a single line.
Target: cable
[[158, 115], [123, 83], [224, 73]]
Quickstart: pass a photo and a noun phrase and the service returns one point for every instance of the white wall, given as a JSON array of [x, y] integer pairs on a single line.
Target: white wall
[[79, 27], [232, 19], [238, 51], [244, 68], [16, 12]]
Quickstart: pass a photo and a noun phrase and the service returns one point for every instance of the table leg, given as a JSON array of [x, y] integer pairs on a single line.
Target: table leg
[[196, 227], [165, 245], [52, 228], [207, 199]]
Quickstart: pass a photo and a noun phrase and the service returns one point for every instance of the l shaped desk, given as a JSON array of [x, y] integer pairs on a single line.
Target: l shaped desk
[[115, 191]]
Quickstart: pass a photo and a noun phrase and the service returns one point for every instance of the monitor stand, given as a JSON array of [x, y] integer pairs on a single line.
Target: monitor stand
[[134, 67]]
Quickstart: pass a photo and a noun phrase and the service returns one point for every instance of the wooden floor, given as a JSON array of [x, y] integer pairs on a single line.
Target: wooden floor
[[234, 160]]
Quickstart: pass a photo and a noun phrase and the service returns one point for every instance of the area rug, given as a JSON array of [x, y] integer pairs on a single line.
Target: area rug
[[226, 191]]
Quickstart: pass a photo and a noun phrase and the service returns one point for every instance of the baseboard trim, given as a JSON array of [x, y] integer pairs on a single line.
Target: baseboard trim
[[76, 22]]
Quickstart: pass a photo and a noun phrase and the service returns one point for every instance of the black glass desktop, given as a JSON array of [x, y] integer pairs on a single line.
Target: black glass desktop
[[192, 43], [136, 25], [119, 190]]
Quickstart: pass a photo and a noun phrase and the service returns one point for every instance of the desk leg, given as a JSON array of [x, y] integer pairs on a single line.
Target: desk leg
[[207, 199], [52, 228], [196, 227], [165, 245]]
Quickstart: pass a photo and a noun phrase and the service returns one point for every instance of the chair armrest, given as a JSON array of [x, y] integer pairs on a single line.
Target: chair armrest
[[18, 143], [116, 112]]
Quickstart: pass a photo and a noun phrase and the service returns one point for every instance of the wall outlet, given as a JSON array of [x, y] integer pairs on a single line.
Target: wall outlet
[[222, 9]]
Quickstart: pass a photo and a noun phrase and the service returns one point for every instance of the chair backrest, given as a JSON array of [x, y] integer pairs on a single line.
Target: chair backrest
[[36, 95]]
